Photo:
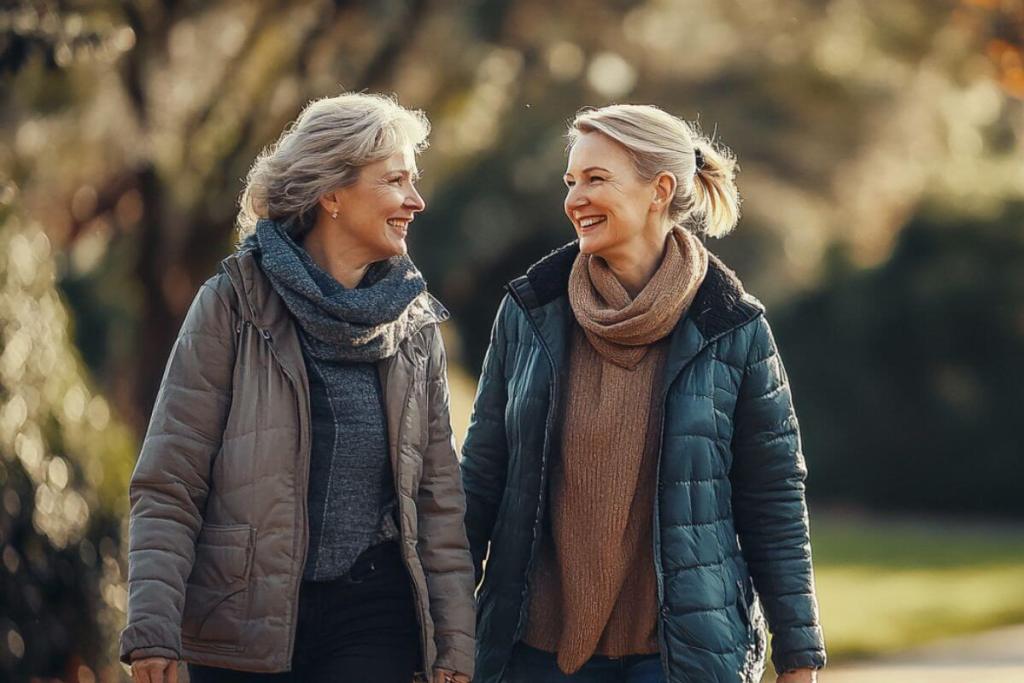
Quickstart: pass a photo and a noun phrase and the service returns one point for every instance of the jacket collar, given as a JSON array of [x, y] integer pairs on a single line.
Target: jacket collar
[[721, 303]]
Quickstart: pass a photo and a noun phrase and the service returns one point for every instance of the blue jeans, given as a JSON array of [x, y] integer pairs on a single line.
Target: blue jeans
[[530, 665]]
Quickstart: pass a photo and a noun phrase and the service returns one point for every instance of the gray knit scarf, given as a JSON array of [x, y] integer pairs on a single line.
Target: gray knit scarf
[[364, 324]]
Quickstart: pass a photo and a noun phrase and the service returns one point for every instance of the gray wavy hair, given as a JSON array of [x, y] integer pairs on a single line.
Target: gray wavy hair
[[657, 141], [321, 151]]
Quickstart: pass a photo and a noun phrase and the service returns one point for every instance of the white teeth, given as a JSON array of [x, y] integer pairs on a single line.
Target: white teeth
[[398, 223], [590, 220]]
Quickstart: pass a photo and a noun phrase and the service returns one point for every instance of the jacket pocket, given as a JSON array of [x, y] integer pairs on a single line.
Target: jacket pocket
[[754, 660], [217, 592]]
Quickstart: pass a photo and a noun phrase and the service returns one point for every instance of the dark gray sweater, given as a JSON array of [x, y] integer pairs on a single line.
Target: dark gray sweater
[[351, 493], [344, 333]]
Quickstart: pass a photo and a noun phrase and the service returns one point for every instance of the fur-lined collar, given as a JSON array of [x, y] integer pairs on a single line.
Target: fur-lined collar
[[721, 303]]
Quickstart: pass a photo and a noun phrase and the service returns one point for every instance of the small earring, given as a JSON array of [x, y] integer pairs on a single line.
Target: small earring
[[334, 214]]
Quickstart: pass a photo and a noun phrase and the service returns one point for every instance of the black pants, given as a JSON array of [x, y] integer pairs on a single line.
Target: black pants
[[361, 627]]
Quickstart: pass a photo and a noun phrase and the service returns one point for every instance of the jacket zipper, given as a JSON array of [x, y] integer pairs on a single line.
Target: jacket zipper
[[302, 395], [401, 524], [663, 610], [656, 538], [548, 425]]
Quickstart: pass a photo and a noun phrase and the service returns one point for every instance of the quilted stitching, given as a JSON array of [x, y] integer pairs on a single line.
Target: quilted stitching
[[730, 498]]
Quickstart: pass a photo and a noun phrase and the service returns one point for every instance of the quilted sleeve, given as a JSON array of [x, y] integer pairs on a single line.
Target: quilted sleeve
[[443, 548], [485, 451], [171, 479], [769, 506]]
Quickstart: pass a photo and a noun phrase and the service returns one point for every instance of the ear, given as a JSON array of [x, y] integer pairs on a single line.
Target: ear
[[664, 191], [330, 202]]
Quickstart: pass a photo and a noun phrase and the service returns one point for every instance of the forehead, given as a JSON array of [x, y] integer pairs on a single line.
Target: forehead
[[597, 149], [403, 159]]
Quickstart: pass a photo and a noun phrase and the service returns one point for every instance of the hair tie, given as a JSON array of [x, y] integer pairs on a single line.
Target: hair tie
[[698, 157]]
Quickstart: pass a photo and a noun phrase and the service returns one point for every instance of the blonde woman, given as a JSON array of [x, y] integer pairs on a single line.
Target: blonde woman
[[296, 508], [633, 469]]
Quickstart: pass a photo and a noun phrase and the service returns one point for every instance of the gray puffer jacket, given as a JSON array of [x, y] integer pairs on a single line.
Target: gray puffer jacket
[[218, 526]]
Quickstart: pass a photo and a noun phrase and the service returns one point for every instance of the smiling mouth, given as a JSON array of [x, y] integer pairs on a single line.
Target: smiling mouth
[[590, 222], [400, 223]]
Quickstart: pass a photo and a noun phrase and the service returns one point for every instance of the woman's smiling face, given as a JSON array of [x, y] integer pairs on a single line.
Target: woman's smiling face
[[377, 209], [608, 204]]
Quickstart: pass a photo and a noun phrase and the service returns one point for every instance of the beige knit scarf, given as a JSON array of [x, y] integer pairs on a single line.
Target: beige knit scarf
[[593, 589], [620, 328]]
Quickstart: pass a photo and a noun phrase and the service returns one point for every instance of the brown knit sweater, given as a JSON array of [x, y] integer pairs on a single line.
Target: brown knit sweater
[[593, 588]]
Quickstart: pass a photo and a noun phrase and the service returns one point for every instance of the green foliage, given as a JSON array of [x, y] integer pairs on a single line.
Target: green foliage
[[128, 127], [64, 467], [907, 377]]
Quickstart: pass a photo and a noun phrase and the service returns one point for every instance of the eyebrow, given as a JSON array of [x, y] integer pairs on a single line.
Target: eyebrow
[[590, 169], [415, 175]]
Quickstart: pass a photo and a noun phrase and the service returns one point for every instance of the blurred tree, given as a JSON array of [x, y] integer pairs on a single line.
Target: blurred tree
[[131, 145], [64, 466], [129, 126], [1001, 24], [907, 377], [192, 92]]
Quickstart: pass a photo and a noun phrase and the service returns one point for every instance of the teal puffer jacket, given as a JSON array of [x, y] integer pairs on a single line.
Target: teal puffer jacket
[[730, 520]]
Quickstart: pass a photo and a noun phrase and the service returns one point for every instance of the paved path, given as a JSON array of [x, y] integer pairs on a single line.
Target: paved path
[[992, 657]]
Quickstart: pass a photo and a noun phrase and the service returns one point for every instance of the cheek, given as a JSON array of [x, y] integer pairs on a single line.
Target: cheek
[[398, 198], [607, 199], [627, 206], [382, 201]]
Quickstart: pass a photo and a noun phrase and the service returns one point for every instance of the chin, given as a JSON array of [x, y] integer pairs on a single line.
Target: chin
[[399, 248], [591, 245]]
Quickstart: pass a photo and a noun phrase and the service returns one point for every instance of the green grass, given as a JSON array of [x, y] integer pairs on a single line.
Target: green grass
[[884, 586]]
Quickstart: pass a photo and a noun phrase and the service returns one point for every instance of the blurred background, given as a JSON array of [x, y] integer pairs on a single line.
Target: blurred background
[[883, 185]]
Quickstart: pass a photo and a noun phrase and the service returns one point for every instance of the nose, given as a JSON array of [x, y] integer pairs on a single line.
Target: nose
[[414, 202], [575, 197]]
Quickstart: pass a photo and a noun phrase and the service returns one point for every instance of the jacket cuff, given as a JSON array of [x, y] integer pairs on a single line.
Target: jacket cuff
[[456, 655], [148, 639], [801, 647], [143, 652]]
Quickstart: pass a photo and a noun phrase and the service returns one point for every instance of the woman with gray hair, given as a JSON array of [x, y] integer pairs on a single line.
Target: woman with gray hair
[[633, 463], [297, 513]]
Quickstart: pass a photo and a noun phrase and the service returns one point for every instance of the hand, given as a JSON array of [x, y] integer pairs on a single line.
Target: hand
[[449, 676], [798, 676], [154, 670]]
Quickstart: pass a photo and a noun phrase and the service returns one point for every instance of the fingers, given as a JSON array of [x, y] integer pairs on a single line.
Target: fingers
[[449, 676], [155, 670]]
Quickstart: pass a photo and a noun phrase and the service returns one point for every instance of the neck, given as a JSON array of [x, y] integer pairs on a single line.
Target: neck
[[635, 262], [339, 256]]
